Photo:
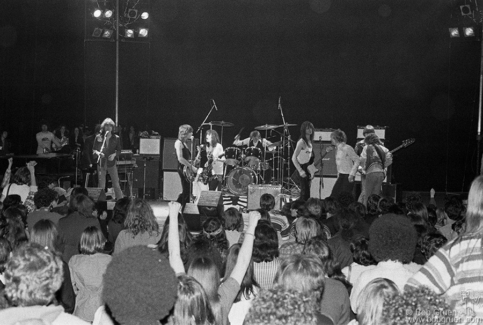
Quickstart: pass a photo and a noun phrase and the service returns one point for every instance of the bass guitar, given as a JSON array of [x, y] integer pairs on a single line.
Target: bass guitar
[[406, 143], [206, 173], [311, 169], [188, 172]]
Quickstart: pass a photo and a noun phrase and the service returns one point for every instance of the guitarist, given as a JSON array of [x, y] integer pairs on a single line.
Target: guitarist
[[214, 166], [302, 157], [183, 154], [358, 148], [374, 159], [347, 162]]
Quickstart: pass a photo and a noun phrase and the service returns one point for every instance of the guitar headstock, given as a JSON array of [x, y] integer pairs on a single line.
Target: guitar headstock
[[408, 142]]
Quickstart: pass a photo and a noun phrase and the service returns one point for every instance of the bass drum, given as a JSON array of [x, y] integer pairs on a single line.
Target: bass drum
[[239, 179]]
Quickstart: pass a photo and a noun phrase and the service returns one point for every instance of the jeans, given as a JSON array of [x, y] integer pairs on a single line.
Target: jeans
[[342, 184], [185, 196], [102, 173], [363, 189], [215, 183], [373, 184]]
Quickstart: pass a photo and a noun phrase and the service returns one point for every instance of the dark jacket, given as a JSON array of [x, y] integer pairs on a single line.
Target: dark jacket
[[114, 146], [71, 228]]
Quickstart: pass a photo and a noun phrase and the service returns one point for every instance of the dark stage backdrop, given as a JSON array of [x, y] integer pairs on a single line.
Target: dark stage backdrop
[[338, 64]]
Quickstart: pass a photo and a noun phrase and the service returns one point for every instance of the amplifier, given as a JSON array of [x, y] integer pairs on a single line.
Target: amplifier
[[256, 191], [322, 134]]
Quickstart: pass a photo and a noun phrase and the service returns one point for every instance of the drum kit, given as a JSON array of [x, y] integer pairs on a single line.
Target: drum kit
[[253, 165]]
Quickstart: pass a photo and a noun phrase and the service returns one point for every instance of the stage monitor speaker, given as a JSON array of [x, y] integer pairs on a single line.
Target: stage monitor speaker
[[152, 172], [96, 193], [322, 134], [170, 160], [330, 167], [210, 203], [380, 132], [150, 146], [255, 192], [315, 188], [171, 185]]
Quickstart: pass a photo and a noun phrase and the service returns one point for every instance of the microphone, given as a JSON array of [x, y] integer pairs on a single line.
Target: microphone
[[214, 104]]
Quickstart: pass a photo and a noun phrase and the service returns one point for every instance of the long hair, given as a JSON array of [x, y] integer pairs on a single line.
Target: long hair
[[46, 234], [214, 231], [183, 131], [249, 283], [108, 121], [265, 246], [255, 135], [12, 228], [360, 252], [303, 128], [120, 210], [185, 238], [305, 229], [140, 218], [339, 136], [302, 273], [370, 303], [21, 176], [419, 209], [474, 212], [192, 305], [92, 241], [215, 139], [5, 250]]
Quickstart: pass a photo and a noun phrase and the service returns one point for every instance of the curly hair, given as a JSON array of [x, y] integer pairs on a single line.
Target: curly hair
[[12, 228], [140, 218], [44, 197], [233, 220], [373, 204], [5, 250], [267, 202], [214, 231], [32, 276], [265, 246], [339, 136], [331, 205], [431, 243], [120, 210], [358, 208], [360, 252], [370, 303]]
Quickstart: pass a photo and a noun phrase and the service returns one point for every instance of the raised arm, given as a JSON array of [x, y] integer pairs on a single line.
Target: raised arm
[[246, 249], [173, 239], [243, 142], [8, 174]]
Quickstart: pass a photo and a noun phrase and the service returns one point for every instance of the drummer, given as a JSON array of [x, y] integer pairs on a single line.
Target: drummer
[[255, 140]]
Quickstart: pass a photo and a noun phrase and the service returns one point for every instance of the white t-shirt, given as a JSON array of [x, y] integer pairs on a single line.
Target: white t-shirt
[[217, 165], [44, 140], [22, 190], [304, 154]]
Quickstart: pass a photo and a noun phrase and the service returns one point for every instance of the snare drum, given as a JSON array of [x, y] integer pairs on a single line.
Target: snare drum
[[253, 157], [232, 156]]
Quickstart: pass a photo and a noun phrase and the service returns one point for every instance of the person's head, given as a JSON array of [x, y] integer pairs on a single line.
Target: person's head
[[12, 228], [33, 275], [347, 219], [45, 197], [46, 234], [202, 247], [140, 287], [358, 208], [92, 241], [412, 198], [185, 131], [420, 210], [77, 131], [11, 201], [233, 220], [192, 304], [255, 136], [338, 136], [214, 231], [108, 125], [185, 238], [267, 202], [205, 271], [419, 224], [83, 205], [44, 126], [432, 216], [302, 273], [368, 130], [392, 237], [431, 243], [317, 246], [265, 246], [249, 282], [345, 199], [307, 131], [370, 303], [315, 207], [306, 228], [212, 138], [120, 210], [5, 250], [22, 176], [373, 204], [360, 251], [140, 218], [331, 206]]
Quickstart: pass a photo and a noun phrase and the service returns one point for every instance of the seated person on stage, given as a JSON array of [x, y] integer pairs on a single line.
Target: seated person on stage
[[62, 134], [5, 144], [45, 139], [255, 140]]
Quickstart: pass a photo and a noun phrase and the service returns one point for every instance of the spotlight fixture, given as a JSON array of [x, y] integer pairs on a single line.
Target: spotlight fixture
[[132, 13], [465, 10], [454, 32], [143, 32], [468, 31], [145, 15], [107, 33], [97, 32], [129, 33], [108, 13], [97, 13]]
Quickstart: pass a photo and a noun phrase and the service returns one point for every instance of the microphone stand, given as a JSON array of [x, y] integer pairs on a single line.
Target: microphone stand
[[102, 148], [321, 178]]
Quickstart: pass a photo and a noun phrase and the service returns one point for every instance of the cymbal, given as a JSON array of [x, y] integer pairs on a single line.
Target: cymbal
[[266, 127], [222, 123], [286, 125], [275, 144]]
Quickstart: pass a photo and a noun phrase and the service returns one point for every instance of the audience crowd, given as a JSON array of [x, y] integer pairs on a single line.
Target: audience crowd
[[64, 260]]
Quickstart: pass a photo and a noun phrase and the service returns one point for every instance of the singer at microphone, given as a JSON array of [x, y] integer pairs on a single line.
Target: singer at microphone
[[106, 148]]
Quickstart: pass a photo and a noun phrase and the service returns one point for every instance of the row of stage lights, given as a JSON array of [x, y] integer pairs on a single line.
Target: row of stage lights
[[466, 31], [130, 14], [128, 32]]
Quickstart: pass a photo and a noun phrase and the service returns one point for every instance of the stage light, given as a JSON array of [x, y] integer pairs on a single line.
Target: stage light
[[465, 10], [97, 13], [97, 32], [129, 33], [145, 15], [132, 13], [143, 32], [454, 32], [108, 14], [468, 31], [107, 33]]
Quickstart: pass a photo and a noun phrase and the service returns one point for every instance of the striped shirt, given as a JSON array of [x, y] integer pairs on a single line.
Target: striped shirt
[[456, 271], [265, 273]]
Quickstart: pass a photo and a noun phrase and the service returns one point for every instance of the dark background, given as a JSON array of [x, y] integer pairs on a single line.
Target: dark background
[[339, 64]]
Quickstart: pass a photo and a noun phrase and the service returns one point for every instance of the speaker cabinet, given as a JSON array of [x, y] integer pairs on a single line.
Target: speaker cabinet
[[171, 185], [256, 191], [316, 190], [170, 160], [330, 167], [153, 178]]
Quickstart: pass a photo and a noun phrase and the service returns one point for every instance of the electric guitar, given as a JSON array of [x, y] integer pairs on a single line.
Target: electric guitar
[[406, 143], [310, 169], [206, 172]]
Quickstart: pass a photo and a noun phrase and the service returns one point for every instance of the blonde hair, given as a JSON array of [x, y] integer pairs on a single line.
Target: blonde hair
[[474, 212], [306, 228], [108, 121], [184, 130], [92, 241], [370, 302]]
